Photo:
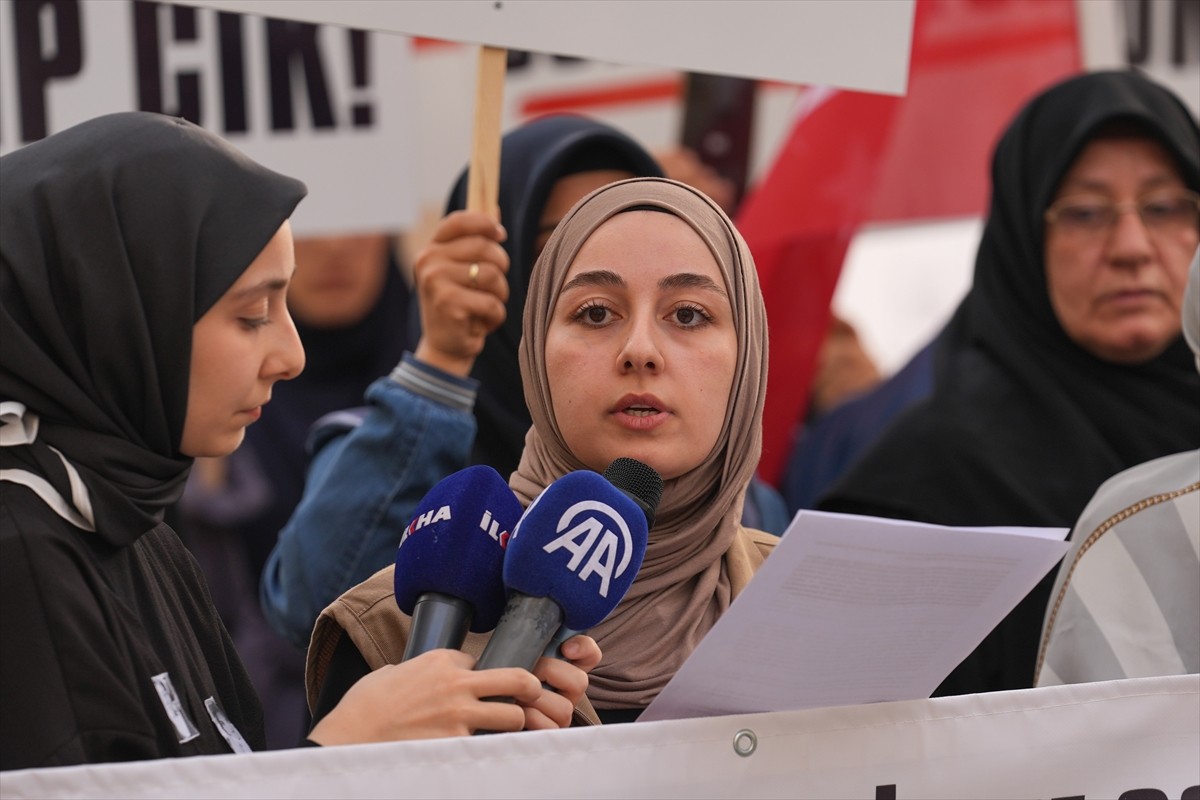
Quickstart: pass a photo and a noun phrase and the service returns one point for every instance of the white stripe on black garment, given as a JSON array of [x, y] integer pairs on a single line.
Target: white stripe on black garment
[[20, 427]]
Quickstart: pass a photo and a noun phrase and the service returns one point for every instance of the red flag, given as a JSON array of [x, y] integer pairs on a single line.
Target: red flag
[[798, 223], [854, 157]]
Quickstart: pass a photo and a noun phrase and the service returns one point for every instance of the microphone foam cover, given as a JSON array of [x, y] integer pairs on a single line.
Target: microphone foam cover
[[455, 544], [580, 543], [639, 480]]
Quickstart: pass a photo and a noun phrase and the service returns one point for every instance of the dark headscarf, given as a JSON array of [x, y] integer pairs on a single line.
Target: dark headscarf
[[1024, 424], [533, 158], [119, 234]]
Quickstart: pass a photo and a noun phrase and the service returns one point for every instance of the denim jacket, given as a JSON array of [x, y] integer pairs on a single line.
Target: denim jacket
[[370, 468]]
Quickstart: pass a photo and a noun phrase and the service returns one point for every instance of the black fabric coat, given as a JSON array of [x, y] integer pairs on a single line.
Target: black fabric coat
[[86, 626], [1023, 424]]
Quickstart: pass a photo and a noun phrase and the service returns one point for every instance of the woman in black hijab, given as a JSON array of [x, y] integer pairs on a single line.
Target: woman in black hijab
[[119, 234], [143, 271], [1030, 414]]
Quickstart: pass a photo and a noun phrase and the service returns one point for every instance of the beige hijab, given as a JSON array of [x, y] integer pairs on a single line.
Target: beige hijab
[[697, 556]]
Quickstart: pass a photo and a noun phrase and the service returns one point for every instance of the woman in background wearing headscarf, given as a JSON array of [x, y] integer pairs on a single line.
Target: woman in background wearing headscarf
[[1064, 364], [144, 266], [643, 286]]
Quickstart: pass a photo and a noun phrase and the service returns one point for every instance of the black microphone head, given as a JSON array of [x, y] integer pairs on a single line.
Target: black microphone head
[[639, 481]]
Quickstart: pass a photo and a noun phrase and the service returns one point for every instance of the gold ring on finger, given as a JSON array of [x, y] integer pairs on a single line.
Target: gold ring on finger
[[473, 274]]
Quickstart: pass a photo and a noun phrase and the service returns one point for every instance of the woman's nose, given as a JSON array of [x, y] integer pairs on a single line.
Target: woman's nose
[[641, 350], [286, 360], [1129, 239]]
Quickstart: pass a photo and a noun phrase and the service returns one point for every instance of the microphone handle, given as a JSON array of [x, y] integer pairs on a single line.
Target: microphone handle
[[438, 620], [526, 627]]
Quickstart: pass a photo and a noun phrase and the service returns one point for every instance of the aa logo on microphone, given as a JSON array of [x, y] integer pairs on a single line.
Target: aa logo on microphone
[[586, 531]]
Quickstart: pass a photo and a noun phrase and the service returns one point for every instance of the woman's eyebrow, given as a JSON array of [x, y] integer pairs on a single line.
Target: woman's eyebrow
[[680, 280], [690, 280], [598, 277], [1100, 185], [263, 287]]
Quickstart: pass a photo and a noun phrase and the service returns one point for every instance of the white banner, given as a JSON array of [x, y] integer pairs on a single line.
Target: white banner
[[329, 105], [861, 45], [379, 137], [1135, 739]]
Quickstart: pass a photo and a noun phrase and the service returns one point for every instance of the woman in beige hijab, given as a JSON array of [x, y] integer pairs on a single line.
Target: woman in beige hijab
[[644, 336]]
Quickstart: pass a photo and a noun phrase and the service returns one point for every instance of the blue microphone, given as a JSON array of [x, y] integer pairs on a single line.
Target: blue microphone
[[449, 565], [644, 486], [572, 557]]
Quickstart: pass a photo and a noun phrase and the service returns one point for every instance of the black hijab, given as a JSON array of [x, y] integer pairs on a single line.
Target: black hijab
[[533, 158], [119, 234], [1024, 424]]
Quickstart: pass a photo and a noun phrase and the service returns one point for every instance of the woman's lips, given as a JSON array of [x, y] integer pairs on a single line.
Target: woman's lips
[[640, 412], [254, 412], [1131, 297]]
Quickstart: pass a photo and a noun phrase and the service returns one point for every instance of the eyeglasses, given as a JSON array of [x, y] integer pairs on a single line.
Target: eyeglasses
[[1163, 213]]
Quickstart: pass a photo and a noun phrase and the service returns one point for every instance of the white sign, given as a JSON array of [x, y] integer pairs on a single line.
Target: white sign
[[1087, 741], [328, 105], [860, 45]]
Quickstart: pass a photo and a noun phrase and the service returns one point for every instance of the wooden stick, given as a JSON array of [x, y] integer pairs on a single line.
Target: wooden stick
[[483, 178]]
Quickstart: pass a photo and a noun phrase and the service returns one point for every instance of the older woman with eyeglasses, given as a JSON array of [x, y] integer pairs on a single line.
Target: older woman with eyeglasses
[[1064, 364]]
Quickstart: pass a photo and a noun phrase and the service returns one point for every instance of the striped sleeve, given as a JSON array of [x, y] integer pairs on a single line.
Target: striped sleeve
[[1129, 603], [434, 384]]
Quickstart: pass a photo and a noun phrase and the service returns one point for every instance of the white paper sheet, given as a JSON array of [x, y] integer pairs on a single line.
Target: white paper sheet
[[851, 609]]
